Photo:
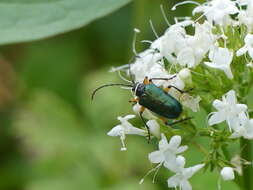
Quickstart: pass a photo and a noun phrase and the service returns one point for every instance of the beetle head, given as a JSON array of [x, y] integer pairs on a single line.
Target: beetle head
[[138, 88]]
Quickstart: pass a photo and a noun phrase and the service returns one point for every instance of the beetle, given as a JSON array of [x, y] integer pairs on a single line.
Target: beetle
[[155, 99]]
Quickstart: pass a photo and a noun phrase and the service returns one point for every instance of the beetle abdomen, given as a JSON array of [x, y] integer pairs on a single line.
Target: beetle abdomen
[[159, 102]]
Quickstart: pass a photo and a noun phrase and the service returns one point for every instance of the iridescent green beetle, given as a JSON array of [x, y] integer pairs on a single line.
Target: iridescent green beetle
[[155, 99]]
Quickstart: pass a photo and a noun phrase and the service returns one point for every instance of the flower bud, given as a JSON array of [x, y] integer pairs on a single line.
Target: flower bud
[[146, 114], [185, 75], [154, 128], [227, 173]]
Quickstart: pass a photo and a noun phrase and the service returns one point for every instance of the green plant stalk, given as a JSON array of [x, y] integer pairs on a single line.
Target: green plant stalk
[[246, 153]]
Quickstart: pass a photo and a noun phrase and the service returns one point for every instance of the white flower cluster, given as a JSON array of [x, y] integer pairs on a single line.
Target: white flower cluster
[[234, 114], [184, 53], [167, 156]]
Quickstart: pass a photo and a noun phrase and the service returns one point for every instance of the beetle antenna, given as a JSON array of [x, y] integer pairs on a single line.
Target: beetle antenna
[[129, 68], [163, 78], [107, 85]]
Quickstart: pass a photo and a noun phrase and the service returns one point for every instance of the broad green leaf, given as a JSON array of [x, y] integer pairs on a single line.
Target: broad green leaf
[[26, 20]]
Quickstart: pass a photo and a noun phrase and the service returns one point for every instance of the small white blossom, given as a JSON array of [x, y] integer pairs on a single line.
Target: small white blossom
[[177, 82], [190, 102], [248, 47], [167, 151], [182, 174], [158, 71], [154, 128], [144, 63], [228, 109], [196, 46], [246, 16], [218, 11], [227, 173], [125, 128], [243, 127], [172, 42], [221, 58], [185, 74]]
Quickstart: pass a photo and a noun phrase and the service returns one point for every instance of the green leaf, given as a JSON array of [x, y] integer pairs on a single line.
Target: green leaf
[[26, 20]]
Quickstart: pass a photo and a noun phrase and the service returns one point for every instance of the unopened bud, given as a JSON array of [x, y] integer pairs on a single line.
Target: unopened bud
[[227, 173], [154, 128], [185, 74]]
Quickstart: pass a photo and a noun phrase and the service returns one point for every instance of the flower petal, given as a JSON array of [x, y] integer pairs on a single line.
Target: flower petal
[[231, 97], [115, 131], [174, 181], [228, 72], [241, 51], [156, 157], [189, 172], [181, 149], [186, 57], [180, 161], [216, 117], [218, 104], [185, 185], [250, 51], [135, 131], [163, 143], [175, 141]]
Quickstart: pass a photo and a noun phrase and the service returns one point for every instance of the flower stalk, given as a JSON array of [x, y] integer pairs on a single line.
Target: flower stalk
[[246, 154]]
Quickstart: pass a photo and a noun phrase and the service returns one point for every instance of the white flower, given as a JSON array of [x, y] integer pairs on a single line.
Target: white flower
[[228, 109], [243, 127], [167, 151], [246, 16], [185, 74], [196, 46], [227, 173], [154, 128], [125, 128], [190, 102], [158, 71], [221, 59], [144, 63], [218, 11], [172, 42], [177, 82], [182, 174], [248, 47]]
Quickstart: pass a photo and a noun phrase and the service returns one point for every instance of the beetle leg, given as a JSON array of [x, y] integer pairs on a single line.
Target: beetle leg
[[178, 121], [181, 91], [164, 120], [141, 112], [133, 100], [142, 109], [167, 89]]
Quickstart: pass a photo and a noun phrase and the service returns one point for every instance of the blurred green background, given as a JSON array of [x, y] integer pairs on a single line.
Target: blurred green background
[[52, 136]]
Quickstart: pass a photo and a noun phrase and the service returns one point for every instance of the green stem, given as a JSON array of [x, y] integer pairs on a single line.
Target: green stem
[[246, 153]]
